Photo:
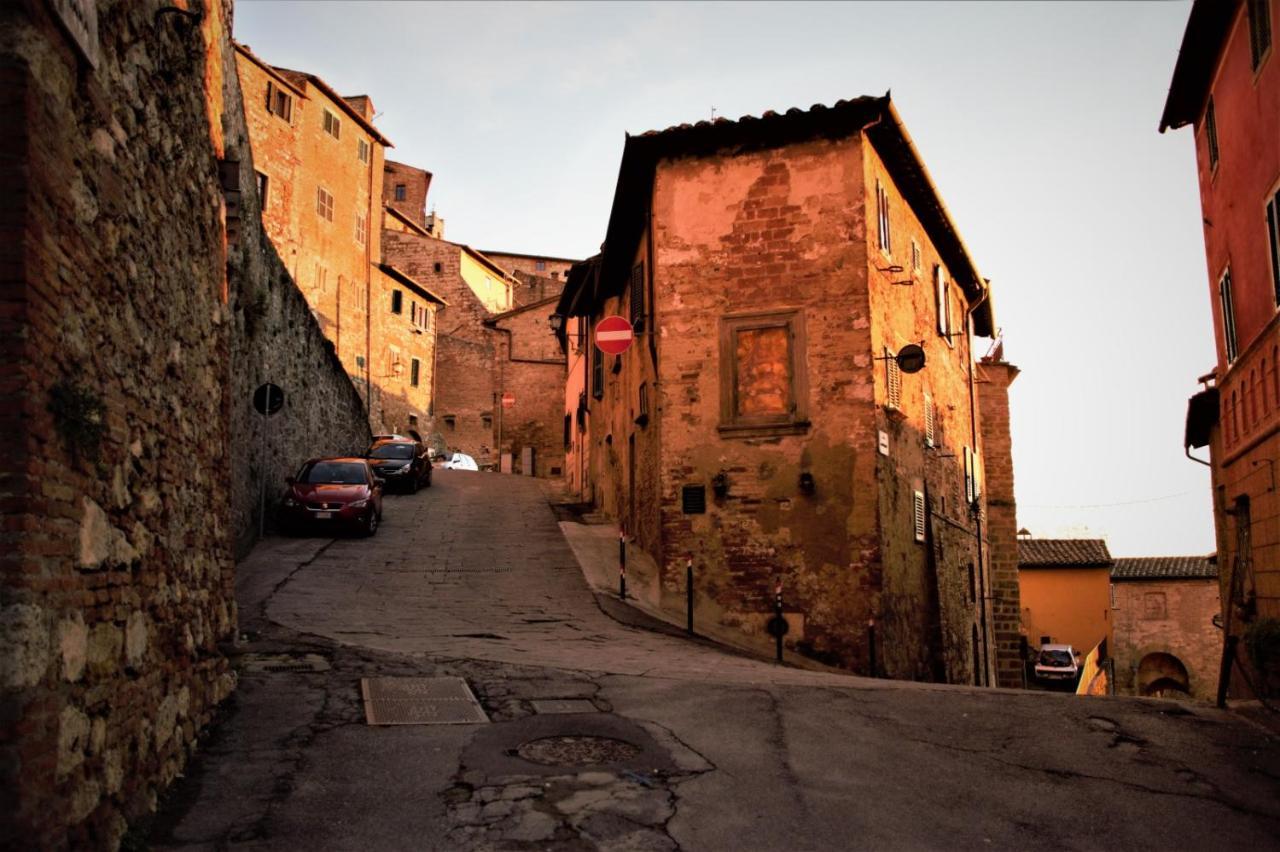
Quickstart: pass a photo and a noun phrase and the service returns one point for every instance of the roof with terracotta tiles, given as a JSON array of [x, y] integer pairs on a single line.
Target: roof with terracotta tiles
[[1166, 568], [1063, 553]]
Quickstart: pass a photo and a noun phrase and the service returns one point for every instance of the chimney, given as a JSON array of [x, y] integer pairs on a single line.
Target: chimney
[[994, 377]]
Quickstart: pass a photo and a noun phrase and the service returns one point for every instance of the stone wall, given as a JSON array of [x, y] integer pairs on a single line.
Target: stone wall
[[115, 561], [1166, 617], [140, 303], [531, 370], [1002, 519], [416, 183]]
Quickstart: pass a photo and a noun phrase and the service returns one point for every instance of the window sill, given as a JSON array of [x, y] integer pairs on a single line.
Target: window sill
[[762, 430], [895, 413]]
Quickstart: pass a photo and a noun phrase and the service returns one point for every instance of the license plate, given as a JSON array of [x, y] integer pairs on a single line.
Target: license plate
[[323, 515]]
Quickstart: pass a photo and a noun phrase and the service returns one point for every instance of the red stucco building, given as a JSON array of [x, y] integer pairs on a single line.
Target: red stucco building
[[1226, 85]]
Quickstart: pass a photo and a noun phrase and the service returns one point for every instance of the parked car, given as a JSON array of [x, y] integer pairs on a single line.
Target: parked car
[[461, 461], [400, 462], [1057, 662], [333, 493]]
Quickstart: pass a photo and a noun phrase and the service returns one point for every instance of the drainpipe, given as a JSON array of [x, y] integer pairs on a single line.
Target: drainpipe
[[973, 431]]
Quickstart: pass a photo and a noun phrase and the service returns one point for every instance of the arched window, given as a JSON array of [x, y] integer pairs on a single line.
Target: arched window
[[1253, 399], [1262, 388]]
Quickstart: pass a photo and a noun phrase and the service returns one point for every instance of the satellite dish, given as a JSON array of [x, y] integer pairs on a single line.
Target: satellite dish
[[910, 358]]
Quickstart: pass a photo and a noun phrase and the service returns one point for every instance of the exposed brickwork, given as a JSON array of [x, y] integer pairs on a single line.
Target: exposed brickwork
[[530, 369], [413, 183], [1002, 519], [115, 558], [1173, 617], [539, 266], [784, 232]]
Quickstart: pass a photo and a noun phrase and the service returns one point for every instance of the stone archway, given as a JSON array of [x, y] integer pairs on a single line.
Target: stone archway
[[1163, 675]]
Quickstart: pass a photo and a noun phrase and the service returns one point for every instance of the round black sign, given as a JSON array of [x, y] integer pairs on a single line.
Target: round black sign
[[911, 358], [268, 399], [777, 626]]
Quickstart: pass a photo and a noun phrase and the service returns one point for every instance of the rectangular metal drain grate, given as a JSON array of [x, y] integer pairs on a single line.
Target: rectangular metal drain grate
[[420, 701]]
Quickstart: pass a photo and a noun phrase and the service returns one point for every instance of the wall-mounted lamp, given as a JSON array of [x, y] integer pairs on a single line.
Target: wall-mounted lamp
[[557, 322], [807, 485], [720, 485]]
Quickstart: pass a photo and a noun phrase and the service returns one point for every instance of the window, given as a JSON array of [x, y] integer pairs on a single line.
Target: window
[[450, 422], [942, 299], [1154, 606], [415, 371], [1211, 134], [279, 102], [568, 430], [1113, 596], [1226, 303], [693, 499], [1273, 235], [401, 192], [637, 297], [915, 256], [437, 267], [1259, 30], [597, 373], [763, 382], [642, 419], [486, 421], [397, 302], [917, 514], [332, 125], [324, 203], [322, 278], [580, 342], [970, 475], [262, 189], [882, 213], [362, 150], [973, 585], [540, 265], [929, 438], [892, 382], [362, 228]]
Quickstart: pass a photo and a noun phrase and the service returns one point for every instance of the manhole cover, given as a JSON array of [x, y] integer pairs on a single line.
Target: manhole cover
[[420, 701], [576, 751]]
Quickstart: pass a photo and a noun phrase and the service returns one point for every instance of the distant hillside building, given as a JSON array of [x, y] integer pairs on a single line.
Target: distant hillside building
[[1226, 85], [773, 269]]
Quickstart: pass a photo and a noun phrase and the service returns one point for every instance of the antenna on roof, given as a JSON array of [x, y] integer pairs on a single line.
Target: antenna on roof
[[713, 113]]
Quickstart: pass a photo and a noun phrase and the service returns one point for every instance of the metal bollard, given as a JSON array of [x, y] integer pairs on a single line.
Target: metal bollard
[[622, 564], [688, 591], [777, 614]]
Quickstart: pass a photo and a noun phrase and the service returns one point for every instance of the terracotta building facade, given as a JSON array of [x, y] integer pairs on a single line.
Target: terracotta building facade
[[762, 423], [1226, 86]]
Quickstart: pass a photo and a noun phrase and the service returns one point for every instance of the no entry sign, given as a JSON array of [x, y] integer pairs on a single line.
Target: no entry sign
[[614, 335]]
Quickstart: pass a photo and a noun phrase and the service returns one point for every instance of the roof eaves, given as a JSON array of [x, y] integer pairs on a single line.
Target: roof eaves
[[411, 282], [244, 51], [1208, 26], [341, 102], [542, 303], [479, 257], [421, 231]]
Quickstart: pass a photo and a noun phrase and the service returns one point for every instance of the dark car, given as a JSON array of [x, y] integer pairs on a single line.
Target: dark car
[[401, 462], [334, 493]]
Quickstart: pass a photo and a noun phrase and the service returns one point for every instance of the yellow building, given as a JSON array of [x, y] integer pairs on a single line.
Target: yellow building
[[1065, 589]]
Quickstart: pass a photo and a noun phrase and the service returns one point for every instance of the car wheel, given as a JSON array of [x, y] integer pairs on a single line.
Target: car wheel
[[371, 524]]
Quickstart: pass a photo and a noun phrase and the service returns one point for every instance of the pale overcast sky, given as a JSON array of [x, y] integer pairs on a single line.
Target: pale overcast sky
[[1037, 120]]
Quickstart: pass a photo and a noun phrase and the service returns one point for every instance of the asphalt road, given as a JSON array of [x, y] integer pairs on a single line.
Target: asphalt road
[[712, 750]]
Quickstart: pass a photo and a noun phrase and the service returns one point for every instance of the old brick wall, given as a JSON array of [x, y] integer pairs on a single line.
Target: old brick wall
[[995, 376], [116, 563], [552, 268], [1172, 617], [416, 183], [768, 231], [398, 403], [466, 349], [531, 369]]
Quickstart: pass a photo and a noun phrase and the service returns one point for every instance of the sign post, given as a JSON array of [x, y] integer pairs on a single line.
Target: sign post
[[614, 335], [268, 399]]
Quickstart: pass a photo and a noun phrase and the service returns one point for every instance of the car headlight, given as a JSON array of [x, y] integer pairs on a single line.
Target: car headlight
[[359, 504], [404, 468]]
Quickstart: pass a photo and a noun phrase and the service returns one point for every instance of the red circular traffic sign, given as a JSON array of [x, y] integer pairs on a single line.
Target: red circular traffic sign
[[614, 335]]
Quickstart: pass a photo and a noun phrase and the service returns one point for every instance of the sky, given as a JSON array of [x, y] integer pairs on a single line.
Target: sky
[[1037, 120]]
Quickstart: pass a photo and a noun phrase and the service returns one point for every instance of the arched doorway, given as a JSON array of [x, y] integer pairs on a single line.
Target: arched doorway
[[1163, 675]]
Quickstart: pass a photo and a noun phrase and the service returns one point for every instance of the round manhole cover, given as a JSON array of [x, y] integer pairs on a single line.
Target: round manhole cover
[[576, 751]]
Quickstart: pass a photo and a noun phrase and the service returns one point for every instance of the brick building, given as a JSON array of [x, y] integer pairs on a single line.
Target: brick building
[[129, 347], [320, 166], [1226, 85], [577, 348], [1165, 641], [404, 190], [774, 268]]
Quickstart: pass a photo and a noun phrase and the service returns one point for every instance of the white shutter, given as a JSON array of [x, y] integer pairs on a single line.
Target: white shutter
[[893, 382], [917, 511], [928, 421], [969, 491], [940, 298]]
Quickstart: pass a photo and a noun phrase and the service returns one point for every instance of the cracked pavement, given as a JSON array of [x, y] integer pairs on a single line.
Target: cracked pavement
[[473, 578]]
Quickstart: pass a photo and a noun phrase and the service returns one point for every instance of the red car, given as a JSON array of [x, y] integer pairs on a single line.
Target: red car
[[331, 494]]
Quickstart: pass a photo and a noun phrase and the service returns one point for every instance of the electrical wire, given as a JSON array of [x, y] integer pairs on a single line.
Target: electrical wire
[[1106, 505]]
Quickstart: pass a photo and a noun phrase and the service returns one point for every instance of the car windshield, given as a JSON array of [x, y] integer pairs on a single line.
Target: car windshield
[[392, 451], [1060, 659], [334, 473]]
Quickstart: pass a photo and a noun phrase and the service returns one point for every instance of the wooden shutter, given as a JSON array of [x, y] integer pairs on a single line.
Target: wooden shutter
[[928, 421], [917, 514], [637, 297], [970, 492], [271, 96], [893, 382], [940, 299]]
